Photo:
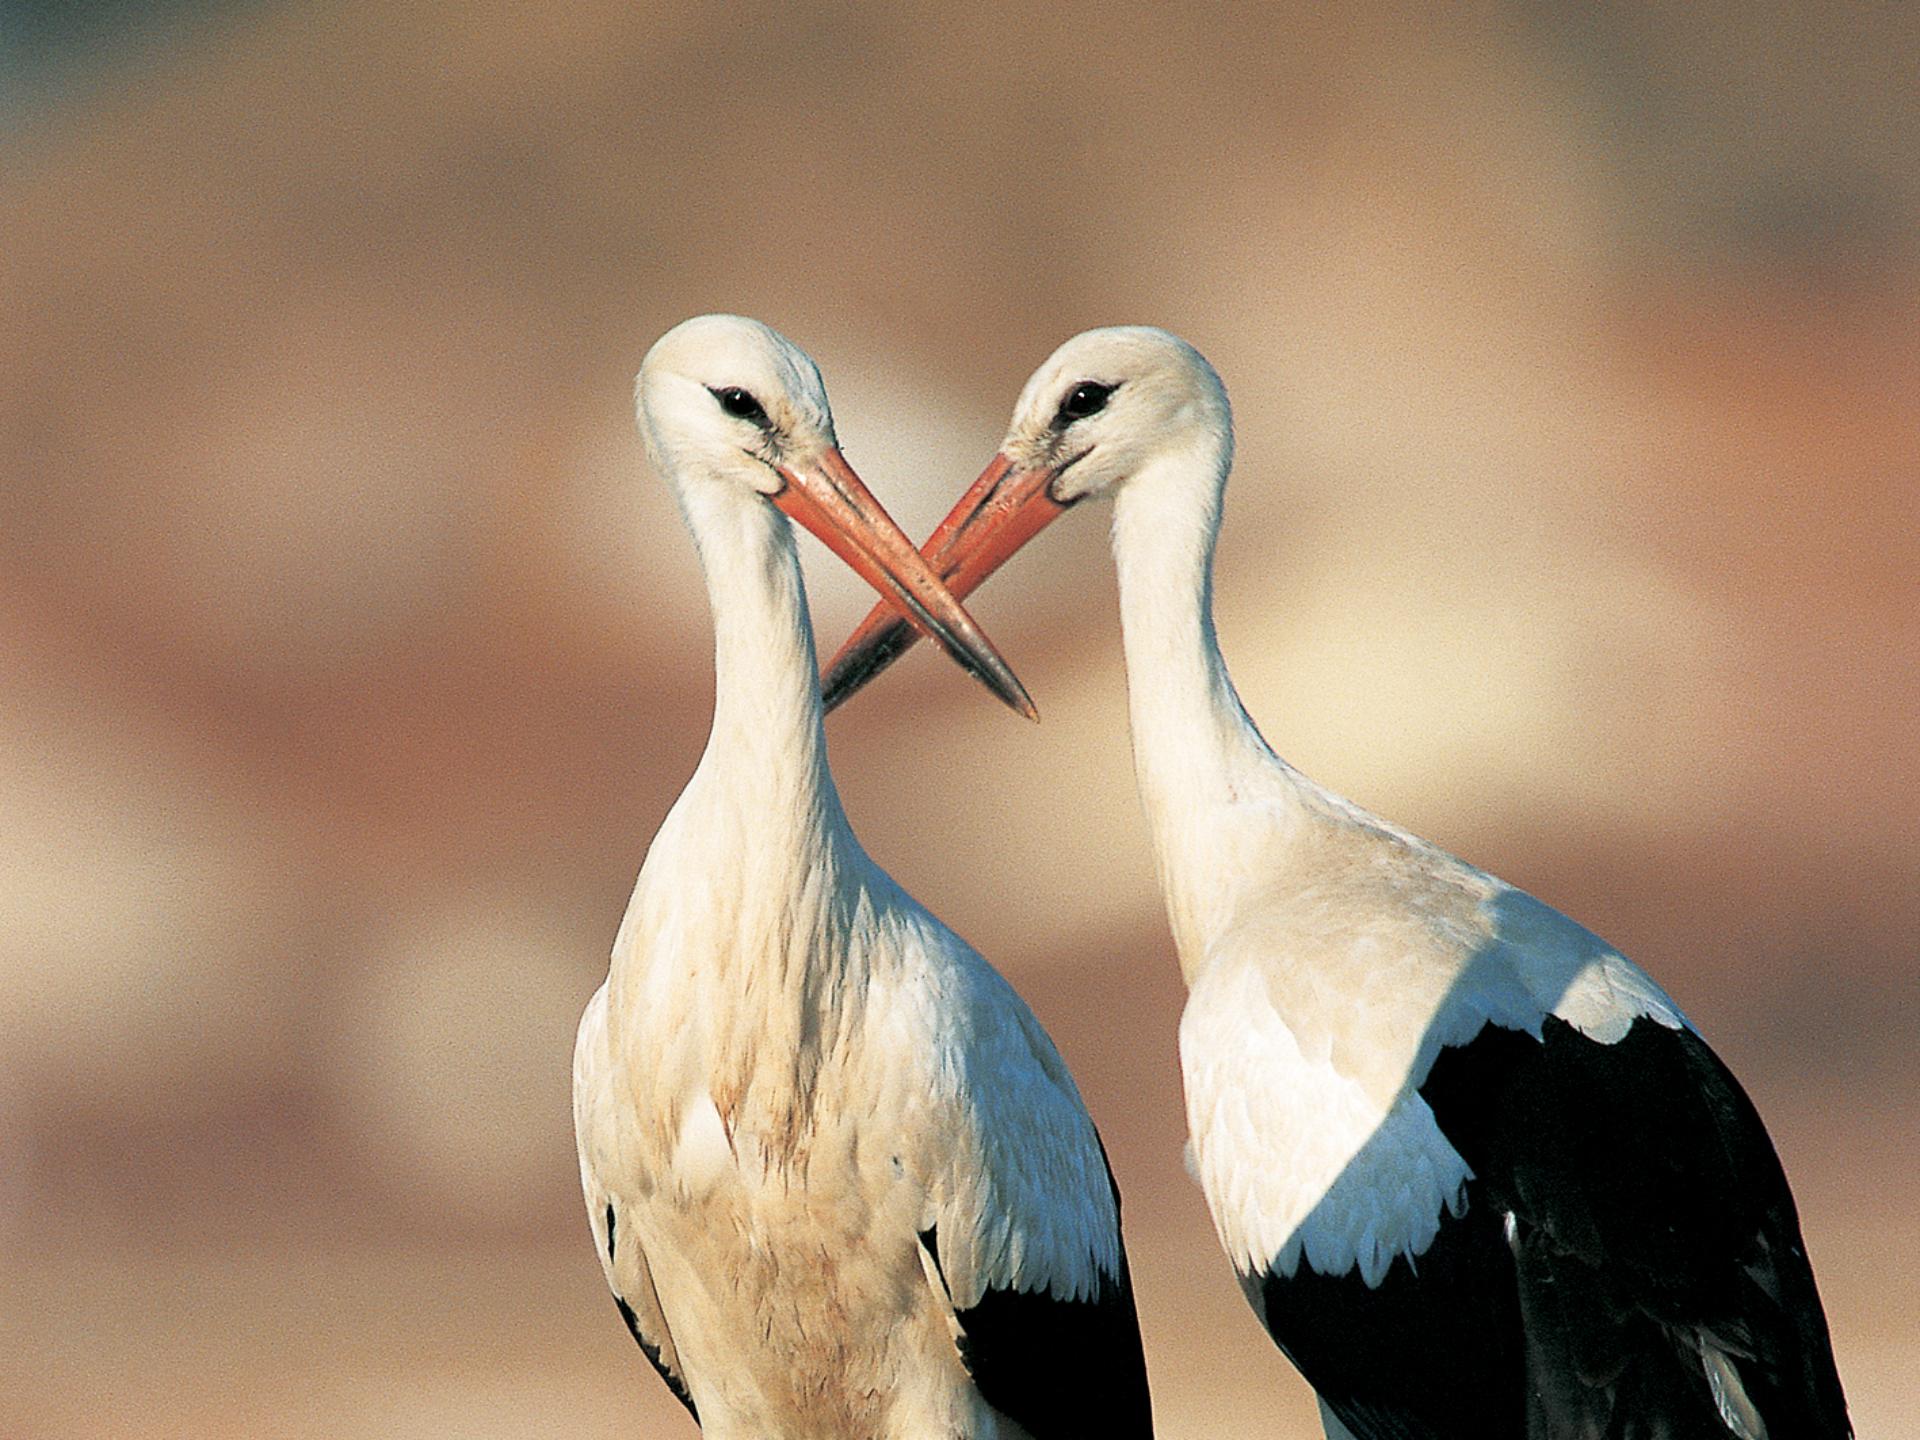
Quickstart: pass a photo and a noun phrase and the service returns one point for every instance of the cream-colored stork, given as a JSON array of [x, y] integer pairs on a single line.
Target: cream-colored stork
[[840, 1181], [1479, 1177]]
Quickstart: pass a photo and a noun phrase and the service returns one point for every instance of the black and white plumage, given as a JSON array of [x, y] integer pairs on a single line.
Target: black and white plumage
[[1564, 1220], [1477, 1174], [839, 1179]]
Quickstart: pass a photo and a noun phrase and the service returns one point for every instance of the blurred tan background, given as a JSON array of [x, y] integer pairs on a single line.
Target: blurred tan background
[[351, 655]]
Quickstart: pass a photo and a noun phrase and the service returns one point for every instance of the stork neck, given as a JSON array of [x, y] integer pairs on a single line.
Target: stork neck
[[733, 916], [1196, 752], [765, 771], [1191, 736]]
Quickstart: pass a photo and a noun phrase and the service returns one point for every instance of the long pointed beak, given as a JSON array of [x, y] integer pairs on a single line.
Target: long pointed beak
[[831, 501], [1001, 511]]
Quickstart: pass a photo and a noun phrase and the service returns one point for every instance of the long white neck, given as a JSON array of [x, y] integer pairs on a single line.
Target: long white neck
[[742, 875], [734, 940], [1196, 753], [764, 790]]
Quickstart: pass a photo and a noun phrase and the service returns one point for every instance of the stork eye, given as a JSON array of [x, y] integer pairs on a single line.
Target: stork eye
[[741, 405], [1089, 397]]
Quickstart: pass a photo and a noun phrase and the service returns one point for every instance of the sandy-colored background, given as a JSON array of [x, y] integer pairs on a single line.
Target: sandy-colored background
[[351, 654]]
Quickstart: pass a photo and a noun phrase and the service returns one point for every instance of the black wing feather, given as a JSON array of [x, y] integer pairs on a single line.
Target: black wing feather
[[1431, 1353], [1649, 1208], [1062, 1369]]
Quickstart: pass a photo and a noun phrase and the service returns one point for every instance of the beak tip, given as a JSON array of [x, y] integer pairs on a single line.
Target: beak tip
[[1014, 694]]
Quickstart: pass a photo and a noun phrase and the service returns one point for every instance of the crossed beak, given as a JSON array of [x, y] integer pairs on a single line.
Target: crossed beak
[[1001, 511], [825, 495]]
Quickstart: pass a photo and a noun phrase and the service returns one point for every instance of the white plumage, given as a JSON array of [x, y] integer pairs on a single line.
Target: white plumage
[[1475, 1172], [840, 1181]]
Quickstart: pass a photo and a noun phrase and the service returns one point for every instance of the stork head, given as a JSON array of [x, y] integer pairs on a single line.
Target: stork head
[[1107, 408], [1109, 404], [728, 404], [725, 398]]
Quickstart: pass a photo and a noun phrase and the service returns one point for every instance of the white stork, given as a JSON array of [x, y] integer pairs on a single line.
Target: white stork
[[840, 1180], [1478, 1175]]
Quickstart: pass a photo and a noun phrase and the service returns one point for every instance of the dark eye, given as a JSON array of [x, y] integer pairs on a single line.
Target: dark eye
[[1089, 397], [741, 405]]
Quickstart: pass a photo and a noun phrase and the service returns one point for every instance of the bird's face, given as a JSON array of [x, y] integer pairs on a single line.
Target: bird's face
[[1105, 408], [1108, 403], [726, 402], [728, 399]]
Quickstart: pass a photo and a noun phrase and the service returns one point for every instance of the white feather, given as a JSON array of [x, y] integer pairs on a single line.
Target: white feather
[[1729, 1395]]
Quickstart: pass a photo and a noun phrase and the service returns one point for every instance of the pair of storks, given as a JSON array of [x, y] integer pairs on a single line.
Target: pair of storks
[[1475, 1171]]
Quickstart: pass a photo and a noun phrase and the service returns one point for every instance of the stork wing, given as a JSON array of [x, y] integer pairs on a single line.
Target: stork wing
[[1355, 1236], [1626, 1256], [621, 1257], [1571, 1223], [1024, 1240], [1058, 1366], [1655, 1243], [632, 1285]]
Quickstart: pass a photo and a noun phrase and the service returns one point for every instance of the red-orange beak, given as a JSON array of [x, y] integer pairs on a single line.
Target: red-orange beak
[[1001, 511], [830, 500]]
